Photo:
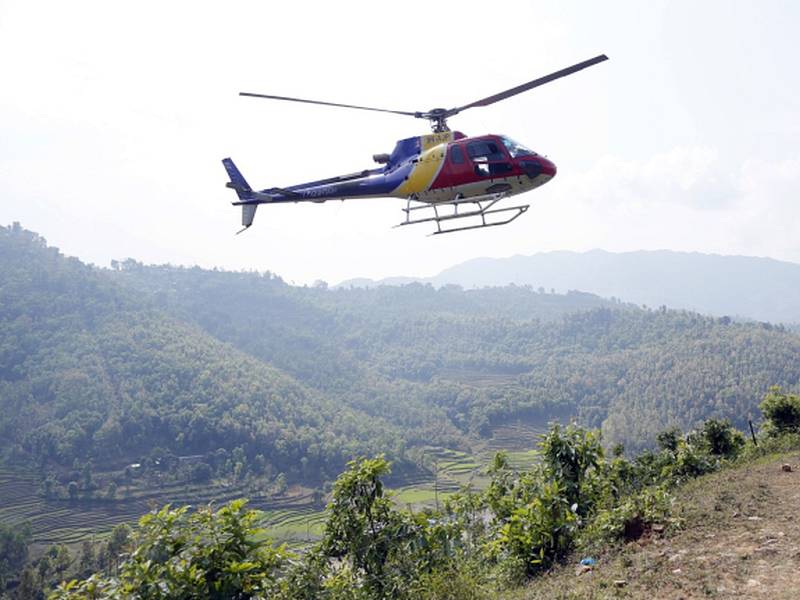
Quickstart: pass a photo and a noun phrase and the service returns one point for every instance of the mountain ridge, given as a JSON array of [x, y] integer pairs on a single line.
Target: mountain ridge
[[757, 288]]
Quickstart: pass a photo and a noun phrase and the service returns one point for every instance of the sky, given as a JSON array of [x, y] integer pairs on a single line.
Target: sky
[[114, 118]]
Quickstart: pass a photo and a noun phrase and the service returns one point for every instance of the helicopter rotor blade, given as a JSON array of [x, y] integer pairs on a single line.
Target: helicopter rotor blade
[[529, 85], [396, 112]]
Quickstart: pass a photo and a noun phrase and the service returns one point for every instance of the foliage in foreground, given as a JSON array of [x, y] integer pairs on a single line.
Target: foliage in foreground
[[181, 554], [575, 498]]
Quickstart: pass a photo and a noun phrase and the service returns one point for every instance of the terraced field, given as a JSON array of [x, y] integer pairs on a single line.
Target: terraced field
[[295, 527], [66, 522], [456, 468], [292, 519], [59, 522], [516, 436], [478, 378]]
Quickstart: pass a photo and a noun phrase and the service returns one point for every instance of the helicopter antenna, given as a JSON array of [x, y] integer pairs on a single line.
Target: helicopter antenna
[[438, 116]]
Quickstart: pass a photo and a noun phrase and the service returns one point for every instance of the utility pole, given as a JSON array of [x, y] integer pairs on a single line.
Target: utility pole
[[752, 432]]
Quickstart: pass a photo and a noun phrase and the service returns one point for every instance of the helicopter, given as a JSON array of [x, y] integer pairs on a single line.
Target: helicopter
[[445, 177]]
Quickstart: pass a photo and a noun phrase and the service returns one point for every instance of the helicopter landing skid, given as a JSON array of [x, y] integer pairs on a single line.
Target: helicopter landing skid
[[484, 208]]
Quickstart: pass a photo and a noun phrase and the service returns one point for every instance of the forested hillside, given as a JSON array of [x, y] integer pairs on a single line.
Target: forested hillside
[[489, 355], [90, 372], [109, 365]]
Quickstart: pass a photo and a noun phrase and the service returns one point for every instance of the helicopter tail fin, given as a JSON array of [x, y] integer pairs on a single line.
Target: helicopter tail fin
[[244, 191], [237, 181]]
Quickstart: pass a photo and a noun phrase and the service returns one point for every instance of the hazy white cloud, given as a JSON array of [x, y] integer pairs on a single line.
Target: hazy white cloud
[[769, 208], [750, 208], [113, 120], [691, 176]]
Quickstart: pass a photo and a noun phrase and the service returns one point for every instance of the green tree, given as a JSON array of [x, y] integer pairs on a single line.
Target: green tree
[[44, 567], [537, 532], [14, 541], [86, 562], [28, 588], [61, 560], [201, 472], [363, 529], [111, 492], [179, 554], [669, 439], [571, 454], [118, 543], [49, 486], [721, 438], [280, 485], [782, 411], [72, 490], [86, 475]]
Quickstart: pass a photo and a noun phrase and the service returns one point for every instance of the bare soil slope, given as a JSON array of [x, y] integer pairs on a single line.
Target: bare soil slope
[[739, 538]]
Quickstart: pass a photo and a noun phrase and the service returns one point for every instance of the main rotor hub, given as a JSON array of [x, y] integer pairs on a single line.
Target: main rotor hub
[[438, 118]]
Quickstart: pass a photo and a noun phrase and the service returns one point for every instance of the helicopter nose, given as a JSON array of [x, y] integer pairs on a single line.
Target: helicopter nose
[[548, 166]]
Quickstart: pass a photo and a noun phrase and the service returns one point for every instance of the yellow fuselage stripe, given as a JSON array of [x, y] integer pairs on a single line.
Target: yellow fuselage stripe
[[434, 148]]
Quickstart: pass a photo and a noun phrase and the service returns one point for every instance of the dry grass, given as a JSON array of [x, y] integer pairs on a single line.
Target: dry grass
[[740, 539]]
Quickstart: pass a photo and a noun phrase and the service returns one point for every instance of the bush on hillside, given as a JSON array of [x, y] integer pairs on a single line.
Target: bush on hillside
[[781, 411], [630, 519], [721, 438], [183, 554]]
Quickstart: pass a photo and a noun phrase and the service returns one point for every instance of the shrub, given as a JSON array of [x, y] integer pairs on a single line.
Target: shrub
[[457, 582], [366, 532], [782, 411], [570, 455], [201, 473], [182, 554], [688, 461], [721, 438], [538, 532], [630, 519], [669, 439]]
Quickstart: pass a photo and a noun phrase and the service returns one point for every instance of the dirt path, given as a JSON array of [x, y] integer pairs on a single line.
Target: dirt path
[[740, 539]]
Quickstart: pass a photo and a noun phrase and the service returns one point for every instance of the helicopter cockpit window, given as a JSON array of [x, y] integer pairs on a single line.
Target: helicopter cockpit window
[[515, 149], [485, 151], [488, 158], [456, 155]]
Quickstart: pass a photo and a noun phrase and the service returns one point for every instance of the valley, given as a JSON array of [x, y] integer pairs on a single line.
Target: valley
[[126, 389]]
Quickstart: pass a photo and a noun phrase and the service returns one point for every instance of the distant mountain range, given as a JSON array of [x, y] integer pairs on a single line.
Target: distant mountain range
[[748, 287]]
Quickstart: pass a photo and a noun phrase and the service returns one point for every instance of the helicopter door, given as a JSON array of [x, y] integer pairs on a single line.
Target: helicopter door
[[488, 159], [458, 165]]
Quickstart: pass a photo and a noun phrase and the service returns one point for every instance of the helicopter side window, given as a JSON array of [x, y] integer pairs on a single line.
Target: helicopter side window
[[456, 155], [488, 158], [485, 151]]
